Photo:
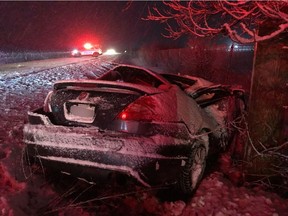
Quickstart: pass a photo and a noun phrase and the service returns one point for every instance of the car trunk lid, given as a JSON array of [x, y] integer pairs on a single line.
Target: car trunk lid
[[75, 103]]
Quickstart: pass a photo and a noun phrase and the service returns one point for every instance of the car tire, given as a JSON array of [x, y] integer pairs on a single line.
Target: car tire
[[193, 170], [95, 54]]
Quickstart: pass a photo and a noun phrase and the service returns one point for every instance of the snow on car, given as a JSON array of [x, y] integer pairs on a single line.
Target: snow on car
[[157, 128], [87, 50]]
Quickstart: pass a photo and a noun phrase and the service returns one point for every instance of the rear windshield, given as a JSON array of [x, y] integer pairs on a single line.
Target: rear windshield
[[132, 75]]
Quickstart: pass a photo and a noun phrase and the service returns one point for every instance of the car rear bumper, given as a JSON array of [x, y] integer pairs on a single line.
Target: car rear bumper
[[150, 160]]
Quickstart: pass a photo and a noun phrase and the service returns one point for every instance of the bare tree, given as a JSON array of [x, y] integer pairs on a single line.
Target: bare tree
[[240, 20]]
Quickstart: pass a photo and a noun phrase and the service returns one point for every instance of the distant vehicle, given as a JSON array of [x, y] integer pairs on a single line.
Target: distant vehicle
[[157, 128], [87, 50]]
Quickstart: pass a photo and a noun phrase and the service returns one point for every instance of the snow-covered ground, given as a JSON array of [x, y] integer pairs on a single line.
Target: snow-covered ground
[[24, 192]]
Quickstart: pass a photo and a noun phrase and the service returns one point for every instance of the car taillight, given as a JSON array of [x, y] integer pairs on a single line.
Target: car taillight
[[47, 106], [143, 109]]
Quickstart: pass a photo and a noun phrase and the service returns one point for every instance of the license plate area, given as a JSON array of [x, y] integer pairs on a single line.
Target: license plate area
[[80, 112]]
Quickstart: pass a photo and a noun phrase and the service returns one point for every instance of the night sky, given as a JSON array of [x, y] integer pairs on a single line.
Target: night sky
[[65, 25]]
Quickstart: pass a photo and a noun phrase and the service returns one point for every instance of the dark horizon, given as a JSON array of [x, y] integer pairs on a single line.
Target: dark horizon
[[65, 25]]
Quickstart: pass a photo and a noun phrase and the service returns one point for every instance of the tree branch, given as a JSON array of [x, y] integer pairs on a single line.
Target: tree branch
[[239, 19]]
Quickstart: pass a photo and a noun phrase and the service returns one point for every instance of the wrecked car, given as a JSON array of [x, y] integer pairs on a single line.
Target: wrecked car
[[157, 128]]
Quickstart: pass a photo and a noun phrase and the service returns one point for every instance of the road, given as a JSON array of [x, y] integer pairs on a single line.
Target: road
[[41, 64]]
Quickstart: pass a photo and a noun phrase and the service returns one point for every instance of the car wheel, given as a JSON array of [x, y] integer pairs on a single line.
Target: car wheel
[[95, 54], [194, 169]]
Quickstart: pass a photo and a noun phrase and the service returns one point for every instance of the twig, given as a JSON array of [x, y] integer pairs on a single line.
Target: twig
[[79, 205]]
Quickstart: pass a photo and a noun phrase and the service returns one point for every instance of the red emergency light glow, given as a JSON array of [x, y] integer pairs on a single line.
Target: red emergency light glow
[[88, 46]]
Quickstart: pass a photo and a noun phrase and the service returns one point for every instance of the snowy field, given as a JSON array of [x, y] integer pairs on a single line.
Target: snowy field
[[31, 191]]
